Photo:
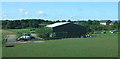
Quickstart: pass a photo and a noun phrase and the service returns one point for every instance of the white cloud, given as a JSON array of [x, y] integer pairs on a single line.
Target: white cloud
[[21, 10], [72, 16], [26, 12], [4, 15], [41, 12]]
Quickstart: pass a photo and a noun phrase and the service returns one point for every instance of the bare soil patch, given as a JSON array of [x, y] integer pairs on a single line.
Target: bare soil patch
[[6, 32]]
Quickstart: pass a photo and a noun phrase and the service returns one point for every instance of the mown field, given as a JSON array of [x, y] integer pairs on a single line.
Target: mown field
[[13, 31], [101, 45]]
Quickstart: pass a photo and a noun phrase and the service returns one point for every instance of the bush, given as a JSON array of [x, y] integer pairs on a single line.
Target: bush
[[43, 32]]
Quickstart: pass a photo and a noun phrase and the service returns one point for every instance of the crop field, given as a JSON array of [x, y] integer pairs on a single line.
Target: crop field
[[100, 45]]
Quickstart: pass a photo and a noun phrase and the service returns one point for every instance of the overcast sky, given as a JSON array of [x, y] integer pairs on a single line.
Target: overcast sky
[[60, 10]]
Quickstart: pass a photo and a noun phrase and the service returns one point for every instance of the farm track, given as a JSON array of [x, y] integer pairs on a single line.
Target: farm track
[[25, 42], [11, 38], [6, 32]]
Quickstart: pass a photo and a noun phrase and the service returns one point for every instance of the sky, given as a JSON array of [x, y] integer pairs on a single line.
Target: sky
[[60, 10]]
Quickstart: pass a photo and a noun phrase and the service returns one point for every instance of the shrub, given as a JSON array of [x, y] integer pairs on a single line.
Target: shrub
[[43, 32]]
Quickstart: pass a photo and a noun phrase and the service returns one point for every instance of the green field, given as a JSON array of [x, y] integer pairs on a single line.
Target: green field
[[101, 45], [15, 31], [19, 30]]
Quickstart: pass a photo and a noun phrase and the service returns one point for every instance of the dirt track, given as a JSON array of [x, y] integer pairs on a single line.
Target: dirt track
[[25, 42], [11, 38], [6, 32]]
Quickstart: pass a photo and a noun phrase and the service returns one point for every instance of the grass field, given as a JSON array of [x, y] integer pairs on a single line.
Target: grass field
[[101, 45], [14, 31], [19, 30]]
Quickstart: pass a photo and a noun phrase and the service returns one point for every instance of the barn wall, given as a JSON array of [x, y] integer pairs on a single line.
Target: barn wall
[[72, 30]]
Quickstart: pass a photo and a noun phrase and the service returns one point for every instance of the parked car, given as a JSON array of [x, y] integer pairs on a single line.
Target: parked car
[[25, 37], [113, 31]]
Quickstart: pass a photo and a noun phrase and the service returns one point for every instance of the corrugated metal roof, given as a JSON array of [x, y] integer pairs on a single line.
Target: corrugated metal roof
[[57, 24]]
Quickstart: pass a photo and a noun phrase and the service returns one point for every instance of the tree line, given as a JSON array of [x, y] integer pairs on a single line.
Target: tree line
[[24, 23], [94, 25], [91, 25]]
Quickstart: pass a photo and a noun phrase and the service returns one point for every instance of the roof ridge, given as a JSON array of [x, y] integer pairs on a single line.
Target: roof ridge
[[57, 24]]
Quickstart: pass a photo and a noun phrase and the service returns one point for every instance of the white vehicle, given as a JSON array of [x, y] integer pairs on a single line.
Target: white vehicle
[[113, 31], [24, 36]]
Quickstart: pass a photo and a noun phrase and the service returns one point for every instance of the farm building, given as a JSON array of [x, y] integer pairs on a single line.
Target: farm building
[[112, 23], [66, 30], [105, 22]]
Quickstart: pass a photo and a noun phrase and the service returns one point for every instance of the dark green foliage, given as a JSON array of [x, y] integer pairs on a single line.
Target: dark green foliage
[[63, 21], [94, 25], [69, 21], [24, 23], [43, 32], [91, 25], [58, 21]]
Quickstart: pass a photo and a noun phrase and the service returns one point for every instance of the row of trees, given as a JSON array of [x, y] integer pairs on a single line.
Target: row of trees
[[91, 25], [95, 25], [24, 23]]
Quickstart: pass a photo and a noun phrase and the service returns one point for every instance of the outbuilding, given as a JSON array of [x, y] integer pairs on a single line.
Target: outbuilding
[[67, 30], [105, 22]]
